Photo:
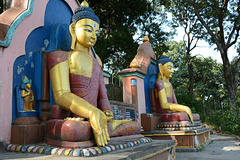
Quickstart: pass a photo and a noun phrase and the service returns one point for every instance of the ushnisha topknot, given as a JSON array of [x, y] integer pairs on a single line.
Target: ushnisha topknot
[[84, 11], [164, 59]]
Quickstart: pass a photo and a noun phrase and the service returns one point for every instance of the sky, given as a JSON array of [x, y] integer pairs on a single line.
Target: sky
[[205, 50]]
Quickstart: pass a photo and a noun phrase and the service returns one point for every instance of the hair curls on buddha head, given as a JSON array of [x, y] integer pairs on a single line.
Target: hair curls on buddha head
[[164, 59], [84, 11]]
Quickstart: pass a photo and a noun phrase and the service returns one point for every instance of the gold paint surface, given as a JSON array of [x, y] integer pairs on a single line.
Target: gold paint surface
[[59, 76], [80, 63], [168, 89], [83, 34]]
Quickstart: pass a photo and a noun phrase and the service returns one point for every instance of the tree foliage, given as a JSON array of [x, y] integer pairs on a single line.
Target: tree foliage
[[123, 23], [220, 19], [1, 7], [182, 15], [154, 24], [209, 81], [4, 5]]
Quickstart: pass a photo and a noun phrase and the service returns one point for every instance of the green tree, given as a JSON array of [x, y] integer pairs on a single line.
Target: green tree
[[1, 7], [115, 41], [177, 52], [183, 16], [153, 25], [121, 22], [209, 81], [4, 5], [221, 19]]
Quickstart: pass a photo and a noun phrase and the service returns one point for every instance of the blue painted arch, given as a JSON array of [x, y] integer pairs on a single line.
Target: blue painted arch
[[57, 18]]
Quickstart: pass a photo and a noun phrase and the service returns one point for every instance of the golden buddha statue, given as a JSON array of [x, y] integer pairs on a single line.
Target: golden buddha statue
[[166, 96], [27, 94], [77, 80]]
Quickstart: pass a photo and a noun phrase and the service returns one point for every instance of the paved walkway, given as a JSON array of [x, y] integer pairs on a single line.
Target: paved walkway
[[222, 148]]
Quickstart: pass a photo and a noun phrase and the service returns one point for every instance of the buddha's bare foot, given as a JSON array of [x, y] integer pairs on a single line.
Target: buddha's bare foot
[[98, 122], [75, 118], [116, 123]]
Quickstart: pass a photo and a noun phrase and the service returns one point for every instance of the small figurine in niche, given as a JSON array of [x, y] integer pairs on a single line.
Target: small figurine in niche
[[27, 94]]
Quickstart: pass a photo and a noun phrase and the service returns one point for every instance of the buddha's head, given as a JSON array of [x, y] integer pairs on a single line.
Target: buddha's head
[[165, 65], [84, 27], [25, 83]]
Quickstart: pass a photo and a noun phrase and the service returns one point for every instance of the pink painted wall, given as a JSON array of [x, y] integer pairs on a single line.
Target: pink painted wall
[[7, 58], [127, 93]]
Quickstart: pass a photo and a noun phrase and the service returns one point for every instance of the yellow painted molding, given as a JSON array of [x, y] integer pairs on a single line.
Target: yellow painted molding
[[175, 134]]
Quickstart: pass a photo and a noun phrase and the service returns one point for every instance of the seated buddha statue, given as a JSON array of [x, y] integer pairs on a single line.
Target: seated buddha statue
[[166, 97], [78, 86]]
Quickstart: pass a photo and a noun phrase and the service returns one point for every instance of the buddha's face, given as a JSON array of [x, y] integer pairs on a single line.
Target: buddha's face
[[167, 69], [28, 85], [86, 31]]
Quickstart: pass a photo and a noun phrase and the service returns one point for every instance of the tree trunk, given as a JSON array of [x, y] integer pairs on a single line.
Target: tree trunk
[[203, 106], [214, 104], [191, 78], [222, 47], [228, 75], [190, 74]]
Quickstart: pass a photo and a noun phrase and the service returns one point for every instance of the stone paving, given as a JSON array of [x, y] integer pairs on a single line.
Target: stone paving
[[222, 148]]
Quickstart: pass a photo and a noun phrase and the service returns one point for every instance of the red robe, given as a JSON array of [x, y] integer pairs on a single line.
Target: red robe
[[159, 86], [92, 89]]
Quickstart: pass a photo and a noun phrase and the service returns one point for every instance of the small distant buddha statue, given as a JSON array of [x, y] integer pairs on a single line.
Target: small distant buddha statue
[[77, 79], [27, 95], [166, 97]]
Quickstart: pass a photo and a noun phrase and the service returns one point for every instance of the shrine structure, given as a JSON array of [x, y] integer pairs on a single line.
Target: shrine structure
[[146, 84], [30, 31]]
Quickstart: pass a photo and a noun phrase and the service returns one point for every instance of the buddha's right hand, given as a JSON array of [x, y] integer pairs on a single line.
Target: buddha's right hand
[[109, 115], [98, 122]]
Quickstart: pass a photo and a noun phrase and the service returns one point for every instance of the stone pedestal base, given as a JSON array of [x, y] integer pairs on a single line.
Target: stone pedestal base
[[89, 143], [68, 144], [27, 130], [138, 148], [186, 140], [150, 121], [28, 134]]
